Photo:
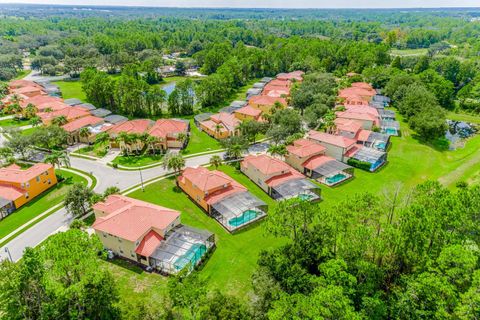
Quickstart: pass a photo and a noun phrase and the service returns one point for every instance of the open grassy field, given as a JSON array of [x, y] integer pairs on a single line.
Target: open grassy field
[[232, 264], [71, 89], [464, 117], [408, 52], [137, 161], [200, 141], [8, 123], [40, 204]]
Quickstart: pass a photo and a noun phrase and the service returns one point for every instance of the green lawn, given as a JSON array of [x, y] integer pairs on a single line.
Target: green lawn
[[137, 161], [71, 89], [95, 150], [40, 204], [463, 117], [13, 123], [409, 52], [29, 131], [232, 264], [22, 74], [200, 141]]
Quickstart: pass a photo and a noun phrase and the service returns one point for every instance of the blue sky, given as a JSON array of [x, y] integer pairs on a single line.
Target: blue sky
[[267, 3]]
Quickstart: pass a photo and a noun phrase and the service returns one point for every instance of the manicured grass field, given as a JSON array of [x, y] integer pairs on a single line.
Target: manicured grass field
[[230, 267], [40, 204], [29, 131], [232, 264], [463, 117], [71, 89], [13, 123], [409, 52], [137, 161], [200, 141]]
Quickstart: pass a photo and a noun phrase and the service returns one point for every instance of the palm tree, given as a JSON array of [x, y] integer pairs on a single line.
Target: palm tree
[[30, 111], [218, 127], [124, 139], [35, 121], [328, 123], [58, 158], [216, 161], [59, 121], [48, 109], [174, 161], [277, 149], [151, 142], [84, 133], [102, 138], [15, 109], [182, 137]]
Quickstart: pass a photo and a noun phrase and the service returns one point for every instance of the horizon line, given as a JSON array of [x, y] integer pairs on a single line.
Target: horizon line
[[250, 8]]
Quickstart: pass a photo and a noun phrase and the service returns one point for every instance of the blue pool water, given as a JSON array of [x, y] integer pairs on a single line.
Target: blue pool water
[[336, 178], [391, 131], [304, 196], [381, 145], [192, 256], [244, 218], [376, 165]]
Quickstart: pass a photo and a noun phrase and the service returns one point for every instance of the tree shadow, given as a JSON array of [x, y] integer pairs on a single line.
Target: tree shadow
[[438, 144]]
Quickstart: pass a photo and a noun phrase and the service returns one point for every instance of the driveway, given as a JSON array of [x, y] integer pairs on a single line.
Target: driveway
[[106, 177]]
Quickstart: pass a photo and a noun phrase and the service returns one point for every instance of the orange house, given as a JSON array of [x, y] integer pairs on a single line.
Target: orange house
[[168, 131], [266, 103], [248, 113], [221, 125], [221, 197], [18, 186], [70, 113]]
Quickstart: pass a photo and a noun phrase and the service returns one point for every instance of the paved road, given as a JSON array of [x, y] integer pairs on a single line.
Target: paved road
[[106, 177], [36, 76]]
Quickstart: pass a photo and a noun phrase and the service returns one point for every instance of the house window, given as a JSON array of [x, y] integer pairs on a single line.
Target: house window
[[119, 240], [121, 251], [28, 184], [27, 195], [137, 243], [104, 235], [49, 181], [38, 179]]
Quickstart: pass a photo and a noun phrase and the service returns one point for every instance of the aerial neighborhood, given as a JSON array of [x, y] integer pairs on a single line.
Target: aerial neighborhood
[[182, 163]]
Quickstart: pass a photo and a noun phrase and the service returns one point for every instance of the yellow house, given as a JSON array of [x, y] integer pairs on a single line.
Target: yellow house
[[18, 186], [221, 125], [266, 103], [149, 234]]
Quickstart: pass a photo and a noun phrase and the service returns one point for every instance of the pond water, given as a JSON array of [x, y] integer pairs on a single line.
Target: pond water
[[169, 87], [457, 131]]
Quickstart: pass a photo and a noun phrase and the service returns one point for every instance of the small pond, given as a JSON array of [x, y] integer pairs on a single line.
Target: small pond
[[458, 131]]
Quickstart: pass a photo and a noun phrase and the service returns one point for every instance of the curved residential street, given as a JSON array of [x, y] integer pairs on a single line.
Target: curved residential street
[[106, 177]]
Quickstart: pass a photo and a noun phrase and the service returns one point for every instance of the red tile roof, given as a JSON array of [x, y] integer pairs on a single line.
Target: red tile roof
[[10, 192], [54, 105], [297, 75], [149, 243], [353, 115], [277, 93], [348, 125], [81, 123], [362, 85], [130, 219], [167, 127], [305, 148], [132, 126], [213, 126], [249, 111], [39, 100], [363, 135], [70, 113], [227, 119], [22, 83], [15, 174], [317, 161], [268, 166], [266, 101], [29, 89], [350, 153], [207, 180], [335, 140]]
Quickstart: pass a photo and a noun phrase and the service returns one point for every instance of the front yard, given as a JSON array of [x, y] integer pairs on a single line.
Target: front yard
[[14, 122], [71, 89], [42, 203]]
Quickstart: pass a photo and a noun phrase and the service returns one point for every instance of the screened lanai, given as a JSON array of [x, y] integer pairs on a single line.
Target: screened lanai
[[332, 172], [391, 128], [377, 141], [184, 247], [375, 157], [238, 210], [297, 188]]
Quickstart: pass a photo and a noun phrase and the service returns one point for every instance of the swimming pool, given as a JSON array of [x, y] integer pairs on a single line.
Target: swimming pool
[[381, 145], [192, 256], [305, 196], [391, 131], [244, 218], [336, 178]]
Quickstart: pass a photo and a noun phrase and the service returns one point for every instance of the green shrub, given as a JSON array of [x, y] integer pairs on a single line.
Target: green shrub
[[359, 164]]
